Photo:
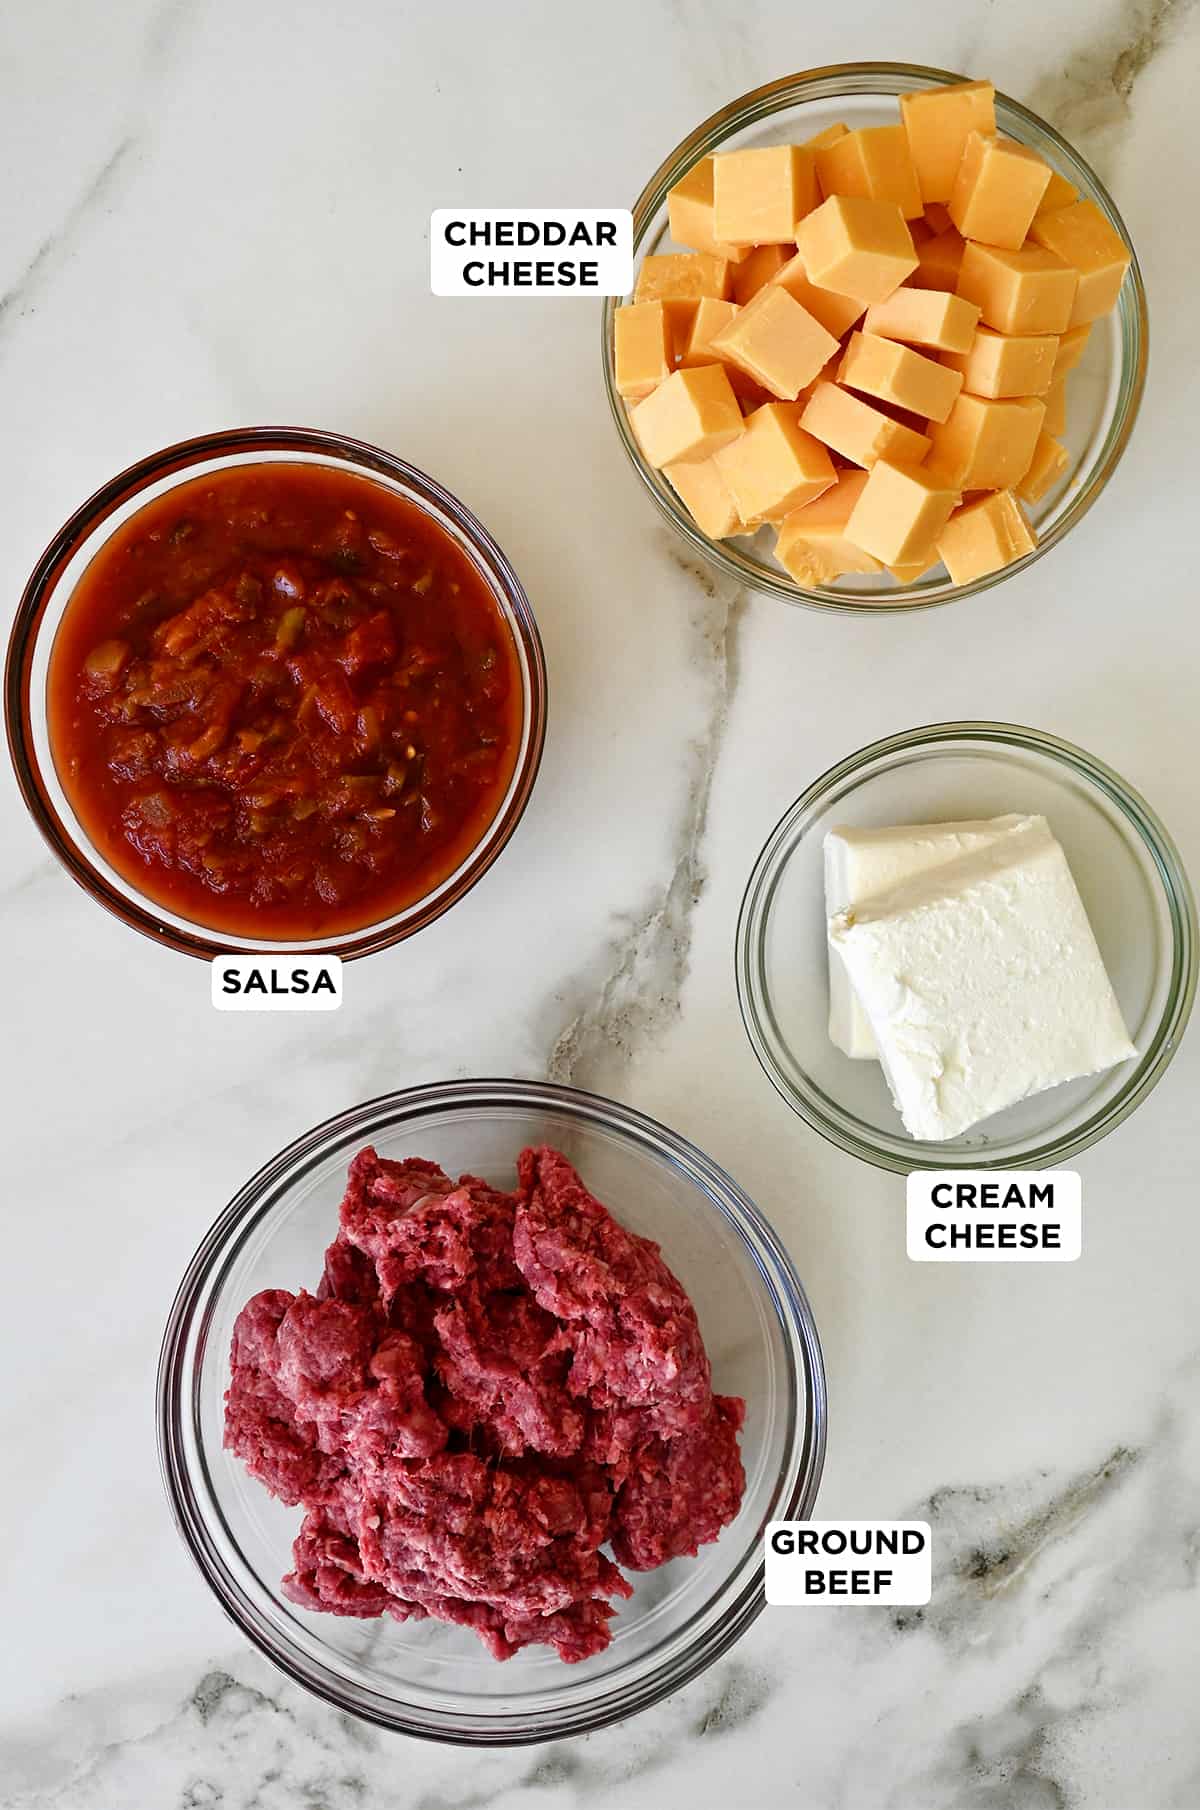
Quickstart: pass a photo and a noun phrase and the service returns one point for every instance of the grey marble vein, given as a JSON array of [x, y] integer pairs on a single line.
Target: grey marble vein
[[18, 296], [1089, 99], [637, 993]]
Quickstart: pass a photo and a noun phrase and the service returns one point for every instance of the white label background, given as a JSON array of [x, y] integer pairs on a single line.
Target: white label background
[[1067, 1213], [447, 263], [283, 967], [911, 1573]]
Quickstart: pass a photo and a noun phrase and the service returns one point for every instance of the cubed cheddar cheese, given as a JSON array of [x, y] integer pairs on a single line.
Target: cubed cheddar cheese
[[776, 342], [1083, 238], [937, 122], [1059, 193], [1026, 291], [900, 513], [1050, 461], [812, 544], [829, 136], [938, 261], [690, 416], [643, 353], [690, 212], [709, 318], [1056, 407], [895, 373], [759, 194], [997, 190], [1006, 364], [859, 432], [986, 444], [937, 217], [1071, 348], [874, 162], [774, 466], [836, 313], [984, 536], [856, 247], [924, 317], [706, 497], [682, 276], [763, 263]]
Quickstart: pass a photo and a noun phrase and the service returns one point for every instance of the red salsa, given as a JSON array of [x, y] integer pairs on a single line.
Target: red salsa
[[283, 702]]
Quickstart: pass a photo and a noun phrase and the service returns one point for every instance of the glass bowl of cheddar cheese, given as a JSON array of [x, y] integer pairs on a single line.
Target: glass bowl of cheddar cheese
[[956, 780], [1089, 382]]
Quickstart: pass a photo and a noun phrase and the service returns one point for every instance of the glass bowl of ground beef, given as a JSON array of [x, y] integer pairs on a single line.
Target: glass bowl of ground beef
[[475, 1403]]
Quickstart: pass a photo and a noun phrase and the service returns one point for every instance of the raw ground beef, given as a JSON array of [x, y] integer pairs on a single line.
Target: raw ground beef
[[485, 1391]]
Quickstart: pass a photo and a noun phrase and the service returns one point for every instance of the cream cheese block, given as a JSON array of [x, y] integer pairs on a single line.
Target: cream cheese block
[[860, 863], [982, 983]]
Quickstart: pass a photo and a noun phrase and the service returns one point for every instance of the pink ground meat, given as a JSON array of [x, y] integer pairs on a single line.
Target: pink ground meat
[[486, 1390]]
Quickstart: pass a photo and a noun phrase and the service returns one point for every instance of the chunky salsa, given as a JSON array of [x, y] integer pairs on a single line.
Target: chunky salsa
[[283, 702]]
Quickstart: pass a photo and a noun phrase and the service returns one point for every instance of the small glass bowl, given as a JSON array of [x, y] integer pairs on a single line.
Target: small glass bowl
[[1104, 390], [49, 591], [424, 1678], [1128, 872]]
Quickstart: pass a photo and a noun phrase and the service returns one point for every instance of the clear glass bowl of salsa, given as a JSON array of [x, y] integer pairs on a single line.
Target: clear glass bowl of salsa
[[275, 688]]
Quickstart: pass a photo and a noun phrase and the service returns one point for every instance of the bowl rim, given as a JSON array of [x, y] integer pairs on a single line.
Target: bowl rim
[[141, 913], [830, 82], [194, 1304], [1047, 1151]]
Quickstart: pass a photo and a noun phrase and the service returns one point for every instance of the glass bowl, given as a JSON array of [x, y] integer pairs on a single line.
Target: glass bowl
[[49, 591], [1104, 392], [1128, 872], [424, 1678]]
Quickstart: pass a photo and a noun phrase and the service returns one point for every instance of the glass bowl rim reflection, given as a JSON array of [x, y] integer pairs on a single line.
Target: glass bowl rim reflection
[[184, 1355], [843, 1128], [180, 463], [885, 80]]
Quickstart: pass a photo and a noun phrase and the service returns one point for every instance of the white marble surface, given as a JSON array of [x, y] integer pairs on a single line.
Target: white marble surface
[[215, 213]]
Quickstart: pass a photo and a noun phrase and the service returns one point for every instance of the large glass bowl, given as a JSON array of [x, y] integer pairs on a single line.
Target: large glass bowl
[[424, 1678], [1128, 872], [1103, 392], [49, 591]]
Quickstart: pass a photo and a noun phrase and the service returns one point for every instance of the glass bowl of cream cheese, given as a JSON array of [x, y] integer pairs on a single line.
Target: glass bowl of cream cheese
[[960, 776]]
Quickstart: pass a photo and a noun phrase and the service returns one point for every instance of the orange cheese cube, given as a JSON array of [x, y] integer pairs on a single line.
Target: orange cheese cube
[[709, 318], [759, 195], [895, 373], [938, 261], [820, 140], [706, 497], [1059, 193], [812, 544], [643, 353], [856, 247], [874, 161], [1056, 407], [997, 190], [937, 122], [985, 444], [859, 432], [760, 265], [900, 513], [1082, 237], [776, 342], [836, 313], [985, 536], [827, 374], [1006, 364], [916, 568], [1025, 291], [924, 317], [1071, 348], [690, 211], [775, 466], [1050, 461], [690, 416], [681, 276], [937, 216]]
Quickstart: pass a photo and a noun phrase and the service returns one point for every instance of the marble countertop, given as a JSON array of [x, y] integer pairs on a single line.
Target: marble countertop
[[217, 214]]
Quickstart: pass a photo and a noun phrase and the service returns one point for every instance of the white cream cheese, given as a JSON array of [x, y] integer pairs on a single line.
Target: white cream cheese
[[861, 863], [982, 983]]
